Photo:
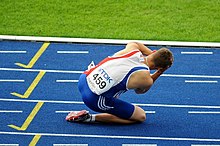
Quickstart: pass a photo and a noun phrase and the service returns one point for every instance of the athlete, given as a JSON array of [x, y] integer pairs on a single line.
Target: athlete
[[101, 85]]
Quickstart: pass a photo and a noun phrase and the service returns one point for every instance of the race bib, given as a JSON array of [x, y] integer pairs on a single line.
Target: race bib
[[99, 81]]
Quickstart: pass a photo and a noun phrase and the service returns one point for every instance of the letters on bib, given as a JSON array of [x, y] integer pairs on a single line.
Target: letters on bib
[[99, 81]]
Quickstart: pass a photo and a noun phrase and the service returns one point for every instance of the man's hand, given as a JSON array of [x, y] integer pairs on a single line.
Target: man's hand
[[158, 73], [161, 70]]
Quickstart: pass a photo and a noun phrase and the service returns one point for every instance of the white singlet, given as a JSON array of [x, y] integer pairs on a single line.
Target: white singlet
[[114, 72]]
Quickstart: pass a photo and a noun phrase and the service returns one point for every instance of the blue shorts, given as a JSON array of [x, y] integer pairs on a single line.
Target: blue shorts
[[102, 104]]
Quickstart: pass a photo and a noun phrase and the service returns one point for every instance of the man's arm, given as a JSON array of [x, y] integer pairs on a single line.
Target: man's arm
[[157, 73], [144, 82], [144, 50], [153, 77], [135, 45]]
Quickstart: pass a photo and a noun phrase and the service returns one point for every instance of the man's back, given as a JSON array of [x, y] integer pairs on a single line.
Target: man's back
[[115, 72]]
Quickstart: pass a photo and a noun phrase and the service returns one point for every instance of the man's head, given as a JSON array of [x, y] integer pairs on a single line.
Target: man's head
[[163, 58]]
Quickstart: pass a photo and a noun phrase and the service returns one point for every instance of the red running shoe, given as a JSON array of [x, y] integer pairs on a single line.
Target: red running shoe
[[80, 116]]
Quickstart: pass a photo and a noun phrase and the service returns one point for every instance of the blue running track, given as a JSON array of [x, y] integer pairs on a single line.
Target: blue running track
[[183, 106]]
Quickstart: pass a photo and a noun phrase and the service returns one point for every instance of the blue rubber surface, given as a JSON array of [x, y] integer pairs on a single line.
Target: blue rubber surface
[[171, 99]]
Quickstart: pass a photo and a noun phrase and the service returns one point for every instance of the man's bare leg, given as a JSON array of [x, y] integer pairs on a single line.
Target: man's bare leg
[[83, 116], [138, 116]]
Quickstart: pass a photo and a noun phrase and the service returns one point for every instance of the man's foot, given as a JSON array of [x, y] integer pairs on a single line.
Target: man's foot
[[80, 116]]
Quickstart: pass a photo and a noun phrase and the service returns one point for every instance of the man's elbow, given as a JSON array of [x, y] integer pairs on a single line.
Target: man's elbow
[[150, 82], [132, 45]]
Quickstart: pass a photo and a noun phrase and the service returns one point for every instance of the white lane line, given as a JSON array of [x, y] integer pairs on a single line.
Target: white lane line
[[139, 104], [13, 52], [177, 106], [67, 81], [204, 112], [109, 41], [70, 144], [189, 76], [37, 70], [79, 72], [150, 112], [9, 144], [204, 145], [72, 52], [7, 80], [46, 101], [10, 111], [139, 144], [61, 112], [113, 136], [64, 112], [197, 53], [200, 81]]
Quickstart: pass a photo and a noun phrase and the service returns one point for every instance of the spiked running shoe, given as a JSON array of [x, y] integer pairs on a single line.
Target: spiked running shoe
[[80, 116]]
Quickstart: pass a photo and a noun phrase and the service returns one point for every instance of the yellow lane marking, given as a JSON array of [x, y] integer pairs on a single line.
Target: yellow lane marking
[[29, 118], [35, 140], [35, 58], [31, 87]]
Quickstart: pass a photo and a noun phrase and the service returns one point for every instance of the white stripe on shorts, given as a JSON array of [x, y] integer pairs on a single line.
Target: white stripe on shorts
[[101, 104]]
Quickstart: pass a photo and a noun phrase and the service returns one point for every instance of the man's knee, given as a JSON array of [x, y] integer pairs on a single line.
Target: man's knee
[[142, 117], [139, 115]]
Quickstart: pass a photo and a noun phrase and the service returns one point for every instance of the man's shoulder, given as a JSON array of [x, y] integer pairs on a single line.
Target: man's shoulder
[[143, 74], [140, 79]]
